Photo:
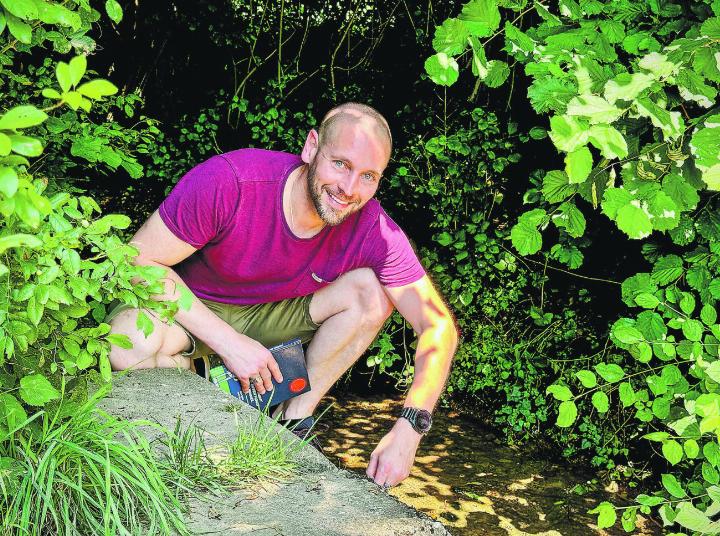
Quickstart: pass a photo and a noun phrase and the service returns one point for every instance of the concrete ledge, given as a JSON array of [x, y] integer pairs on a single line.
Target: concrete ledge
[[320, 500]]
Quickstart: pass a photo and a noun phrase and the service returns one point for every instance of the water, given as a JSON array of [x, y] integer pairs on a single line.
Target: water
[[467, 479]]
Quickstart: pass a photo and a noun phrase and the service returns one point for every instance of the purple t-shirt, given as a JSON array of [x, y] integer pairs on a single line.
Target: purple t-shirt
[[230, 209]]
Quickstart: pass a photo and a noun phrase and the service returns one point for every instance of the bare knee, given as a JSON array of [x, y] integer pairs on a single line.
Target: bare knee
[[369, 297], [146, 352]]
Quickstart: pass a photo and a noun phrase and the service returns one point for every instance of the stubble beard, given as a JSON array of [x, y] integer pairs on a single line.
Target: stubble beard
[[328, 215]]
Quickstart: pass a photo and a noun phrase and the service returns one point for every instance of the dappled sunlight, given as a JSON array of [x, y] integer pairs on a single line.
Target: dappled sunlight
[[465, 478]]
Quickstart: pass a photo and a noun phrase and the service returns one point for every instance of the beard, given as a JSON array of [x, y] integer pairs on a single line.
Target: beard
[[328, 215]]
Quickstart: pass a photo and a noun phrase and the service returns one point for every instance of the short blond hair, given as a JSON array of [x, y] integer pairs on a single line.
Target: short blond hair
[[352, 112]]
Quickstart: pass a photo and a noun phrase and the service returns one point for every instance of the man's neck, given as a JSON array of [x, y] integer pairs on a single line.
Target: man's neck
[[298, 208]]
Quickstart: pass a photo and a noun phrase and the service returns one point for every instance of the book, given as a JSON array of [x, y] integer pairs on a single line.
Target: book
[[291, 360]]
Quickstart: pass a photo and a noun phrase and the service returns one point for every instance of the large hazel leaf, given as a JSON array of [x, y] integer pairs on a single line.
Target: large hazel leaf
[[594, 108], [578, 165], [567, 414], [626, 86], [671, 123], [606, 515], [482, 17], [609, 140], [442, 69], [610, 372], [451, 37], [634, 221], [556, 187], [568, 133]]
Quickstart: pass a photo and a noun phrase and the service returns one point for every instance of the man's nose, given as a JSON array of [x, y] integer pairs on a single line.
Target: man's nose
[[350, 183]]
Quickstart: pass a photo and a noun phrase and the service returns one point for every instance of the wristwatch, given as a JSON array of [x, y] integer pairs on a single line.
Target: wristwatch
[[419, 419]]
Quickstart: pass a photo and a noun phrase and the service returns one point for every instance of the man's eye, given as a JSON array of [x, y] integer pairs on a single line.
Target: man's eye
[[339, 164], [369, 177]]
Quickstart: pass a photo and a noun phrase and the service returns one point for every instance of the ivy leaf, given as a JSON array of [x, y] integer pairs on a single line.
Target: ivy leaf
[[672, 451], [578, 164], [567, 414], [610, 372], [609, 141], [22, 117], [600, 401], [556, 187], [634, 222], [36, 390], [481, 17], [114, 11], [606, 515], [442, 69], [673, 487]]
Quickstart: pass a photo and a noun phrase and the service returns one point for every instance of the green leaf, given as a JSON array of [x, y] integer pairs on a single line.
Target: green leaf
[[526, 239], [568, 133], [656, 436], [556, 187], [120, 340], [516, 41], [634, 222], [667, 269], [8, 181], [672, 451], [538, 133], [610, 372], [708, 315], [22, 117], [691, 518], [25, 145], [442, 69], [11, 411], [627, 394], [627, 334], [22, 9], [64, 78], [451, 37], [36, 390], [186, 298], [560, 392], [144, 324], [600, 401], [96, 89], [567, 414], [78, 66], [647, 300], [691, 448], [19, 240], [613, 30], [609, 141], [114, 11], [614, 199], [587, 378], [664, 212], [711, 28], [19, 30], [4, 144], [578, 165], [673, 487], [496, 73], [482, 17], [687, 303], [671, 123], [692, 329], [594, 108], [606, 515]]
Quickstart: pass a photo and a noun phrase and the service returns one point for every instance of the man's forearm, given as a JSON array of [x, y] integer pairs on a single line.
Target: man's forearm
[[198, 320], [435, 350]]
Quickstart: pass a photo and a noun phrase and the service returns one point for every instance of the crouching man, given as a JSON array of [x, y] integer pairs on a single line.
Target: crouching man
[[276, 246]]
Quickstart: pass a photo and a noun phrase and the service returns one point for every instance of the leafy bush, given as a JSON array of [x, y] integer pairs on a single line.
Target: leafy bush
[[631, 90]]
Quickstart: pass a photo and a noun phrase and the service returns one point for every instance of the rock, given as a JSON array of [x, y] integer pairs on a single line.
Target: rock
[[320, 500]]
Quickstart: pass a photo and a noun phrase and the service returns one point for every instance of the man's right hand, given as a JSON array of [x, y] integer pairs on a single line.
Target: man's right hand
[[247, 359]]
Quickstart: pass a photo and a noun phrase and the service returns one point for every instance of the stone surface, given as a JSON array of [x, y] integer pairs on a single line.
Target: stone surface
[[319, 500]]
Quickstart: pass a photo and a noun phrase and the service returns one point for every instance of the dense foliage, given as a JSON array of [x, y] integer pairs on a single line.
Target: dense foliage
[[631, 92]]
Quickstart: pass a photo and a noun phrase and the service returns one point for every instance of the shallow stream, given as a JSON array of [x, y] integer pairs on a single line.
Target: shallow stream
[[467, 479]]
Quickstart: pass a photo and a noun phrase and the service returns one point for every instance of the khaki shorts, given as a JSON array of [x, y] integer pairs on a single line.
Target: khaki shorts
[[268, 323]]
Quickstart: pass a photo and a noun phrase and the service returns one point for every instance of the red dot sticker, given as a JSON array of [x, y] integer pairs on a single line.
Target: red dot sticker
[[297, 385]]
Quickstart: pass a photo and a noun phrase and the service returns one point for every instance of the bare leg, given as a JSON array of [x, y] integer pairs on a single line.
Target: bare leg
[[161, 349], [352, 310]]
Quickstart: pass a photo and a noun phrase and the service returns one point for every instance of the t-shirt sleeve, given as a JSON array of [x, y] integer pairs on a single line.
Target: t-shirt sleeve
[[390, 254], [202, 202]]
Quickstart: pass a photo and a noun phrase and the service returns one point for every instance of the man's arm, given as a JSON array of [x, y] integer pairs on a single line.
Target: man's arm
[[421, 305], [245, 357]]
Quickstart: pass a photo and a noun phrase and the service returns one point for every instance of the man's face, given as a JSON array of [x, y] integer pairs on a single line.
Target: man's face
[[345, 172]]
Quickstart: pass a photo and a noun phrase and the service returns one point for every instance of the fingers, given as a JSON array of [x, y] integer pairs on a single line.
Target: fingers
[[274, 369], [372, 466], [244, 385], [265, 383]]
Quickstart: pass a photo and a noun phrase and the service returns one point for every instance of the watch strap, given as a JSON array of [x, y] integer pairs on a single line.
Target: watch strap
[[411, 415]]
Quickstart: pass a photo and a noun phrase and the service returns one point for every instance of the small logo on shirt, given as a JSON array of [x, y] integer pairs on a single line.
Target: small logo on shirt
[[319, 279]]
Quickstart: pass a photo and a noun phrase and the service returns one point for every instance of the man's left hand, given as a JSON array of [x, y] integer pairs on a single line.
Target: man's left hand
[[392, 459]]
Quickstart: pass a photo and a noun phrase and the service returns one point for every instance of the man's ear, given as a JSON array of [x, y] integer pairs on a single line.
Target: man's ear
[[310, 148]]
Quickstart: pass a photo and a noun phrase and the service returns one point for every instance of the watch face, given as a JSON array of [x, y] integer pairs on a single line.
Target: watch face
[[423, 420]]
